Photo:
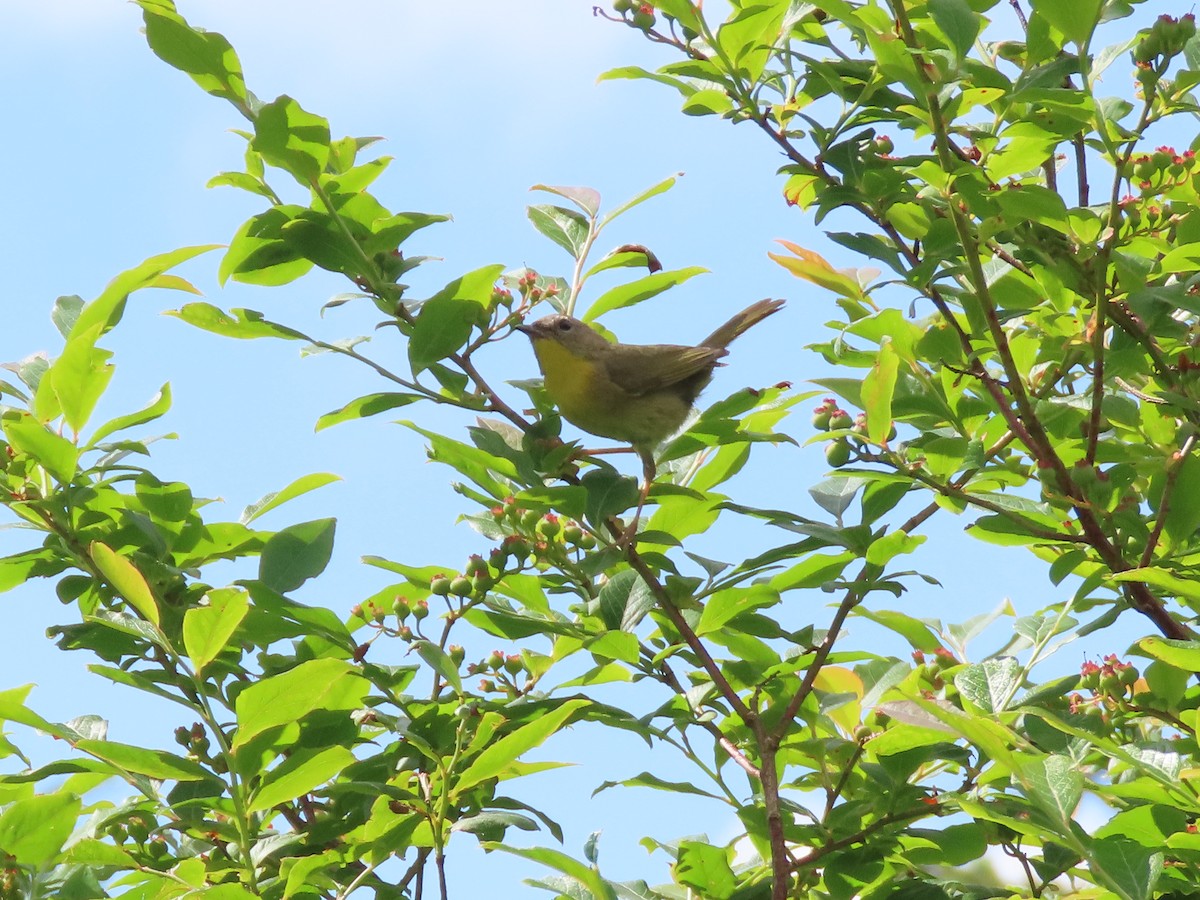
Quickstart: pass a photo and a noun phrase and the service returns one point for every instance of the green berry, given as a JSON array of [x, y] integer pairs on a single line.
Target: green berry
[[840, 421], [440, 585], [837, 453]]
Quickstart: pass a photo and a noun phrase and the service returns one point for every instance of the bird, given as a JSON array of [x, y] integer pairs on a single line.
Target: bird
[[639, 394]]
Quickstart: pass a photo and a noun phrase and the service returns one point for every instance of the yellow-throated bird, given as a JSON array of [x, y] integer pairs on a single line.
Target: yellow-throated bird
[[636, 393]]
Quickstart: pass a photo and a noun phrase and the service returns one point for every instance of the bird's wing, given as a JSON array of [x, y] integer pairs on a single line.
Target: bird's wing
[[641, 371]]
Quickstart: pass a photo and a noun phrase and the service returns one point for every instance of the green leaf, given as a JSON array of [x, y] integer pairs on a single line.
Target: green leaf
[[80, 376], [159, 404], [958, 22], [65, 313], [665, 185], [297, 553], [442, 327], [885, 549], [207, 629], [588, 877], [54, 453], [107, 309], [243, 324], [608, 494], [565, 227], [706, 869], [646, 779], [204, 55], [725, 605], [126, 579], [291, 138], [491, 825], [586, 198], [877, 389], [298, 775], [500, 756], [707, 102], [1055, 785], [1076, 20], [367, 405], [297, 488], [639, 290], [13, 709], [151, 763], [1183, 655], [34, 829], [318, 684], [1127, 865], [1183, 508], [624, 601], [1187, 588], [20, 567], [258, 253], [440, 662]]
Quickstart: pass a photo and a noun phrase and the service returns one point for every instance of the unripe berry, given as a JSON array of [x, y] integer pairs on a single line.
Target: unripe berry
[[549, 526], [572, 532], [837, 453], [475, 565], [401, 608], [440, 585], [840, 420], [495, 659], [420, 609], [643, 17], [821, 414], [456, 653], [517, 546], [460, 586], [513, 664], [497, 558]]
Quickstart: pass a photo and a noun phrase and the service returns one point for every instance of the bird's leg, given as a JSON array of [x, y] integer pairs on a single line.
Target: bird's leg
[[649, 470]]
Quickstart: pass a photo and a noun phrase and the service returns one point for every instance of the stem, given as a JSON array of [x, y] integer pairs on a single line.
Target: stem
[[781, 860], [689, 636], [1164, 505]]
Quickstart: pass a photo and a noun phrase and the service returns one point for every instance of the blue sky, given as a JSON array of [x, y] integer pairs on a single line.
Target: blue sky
[[107, 157]]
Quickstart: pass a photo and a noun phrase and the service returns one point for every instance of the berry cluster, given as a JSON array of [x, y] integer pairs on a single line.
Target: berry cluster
[[1112, 685], [501, 672], [1166, 38], [931, 672], [828, 416], [640, 15]]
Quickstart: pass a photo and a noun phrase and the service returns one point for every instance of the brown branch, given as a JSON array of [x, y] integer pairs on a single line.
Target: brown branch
[[689, 636], [781, 860], [1081, 179], [1164, 505], [861, 835], [852, 598]]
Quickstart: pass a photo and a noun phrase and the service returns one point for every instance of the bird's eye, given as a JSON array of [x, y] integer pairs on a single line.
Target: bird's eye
[[564, 324]]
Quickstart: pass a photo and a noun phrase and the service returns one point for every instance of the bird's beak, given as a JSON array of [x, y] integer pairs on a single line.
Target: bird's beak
[[526, 330]]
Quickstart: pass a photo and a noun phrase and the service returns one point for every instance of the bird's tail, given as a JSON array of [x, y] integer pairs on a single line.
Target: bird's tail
[[747, 318]]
